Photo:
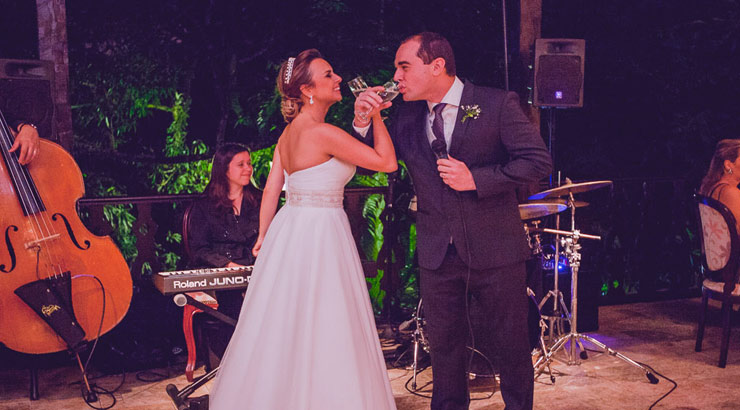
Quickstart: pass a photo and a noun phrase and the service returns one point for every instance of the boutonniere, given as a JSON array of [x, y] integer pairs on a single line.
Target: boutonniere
[[470, 111]]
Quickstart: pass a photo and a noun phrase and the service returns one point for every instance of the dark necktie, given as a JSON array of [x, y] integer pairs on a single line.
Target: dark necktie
[[438, 124]]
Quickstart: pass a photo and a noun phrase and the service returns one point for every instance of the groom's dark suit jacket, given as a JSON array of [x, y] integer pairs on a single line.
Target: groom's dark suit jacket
[[502, 149]]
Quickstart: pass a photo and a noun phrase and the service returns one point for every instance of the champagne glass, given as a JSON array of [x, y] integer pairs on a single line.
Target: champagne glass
[[390, 91], [357, 85]]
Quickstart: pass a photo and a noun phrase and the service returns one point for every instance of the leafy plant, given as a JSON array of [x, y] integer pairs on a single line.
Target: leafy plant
[[181, 177]]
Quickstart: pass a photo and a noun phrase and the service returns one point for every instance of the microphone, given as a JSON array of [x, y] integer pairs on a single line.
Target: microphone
[[439, 148], [180, 300]]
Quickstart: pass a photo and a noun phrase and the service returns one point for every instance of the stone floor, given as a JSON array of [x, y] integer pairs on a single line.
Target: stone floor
[[659, 334]]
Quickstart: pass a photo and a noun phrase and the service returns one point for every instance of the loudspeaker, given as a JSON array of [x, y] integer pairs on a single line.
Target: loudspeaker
[[558, 72], [25, 93]]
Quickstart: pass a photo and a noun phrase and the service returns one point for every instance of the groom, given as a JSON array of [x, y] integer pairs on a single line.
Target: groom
[[470, 235]]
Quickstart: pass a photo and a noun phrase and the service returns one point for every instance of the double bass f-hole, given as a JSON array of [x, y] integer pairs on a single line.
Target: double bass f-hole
[[9, 246], [38, 242], [71, 232], [40, 268]]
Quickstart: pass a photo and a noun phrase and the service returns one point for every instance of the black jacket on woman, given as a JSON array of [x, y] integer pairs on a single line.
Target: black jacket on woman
[[216, 238]]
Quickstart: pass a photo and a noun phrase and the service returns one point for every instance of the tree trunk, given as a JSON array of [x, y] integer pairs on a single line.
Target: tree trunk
[[52, 24]]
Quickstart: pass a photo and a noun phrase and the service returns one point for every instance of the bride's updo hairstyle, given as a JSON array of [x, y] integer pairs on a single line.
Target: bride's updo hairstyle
[[292, 75]]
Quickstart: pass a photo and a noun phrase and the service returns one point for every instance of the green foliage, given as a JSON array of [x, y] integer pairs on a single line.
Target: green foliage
[[261, 164], [182, 177], [377, 295], [405, 253], [372, 211], [108, 104], [122, 221], [133, 78]]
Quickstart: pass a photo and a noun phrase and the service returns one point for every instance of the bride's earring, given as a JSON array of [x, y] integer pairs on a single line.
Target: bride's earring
[[310, 99]]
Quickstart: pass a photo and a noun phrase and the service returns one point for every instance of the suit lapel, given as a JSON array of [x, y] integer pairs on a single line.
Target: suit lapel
[[458, 133]]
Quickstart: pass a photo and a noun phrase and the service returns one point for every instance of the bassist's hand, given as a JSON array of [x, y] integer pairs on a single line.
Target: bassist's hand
[[27, 143]]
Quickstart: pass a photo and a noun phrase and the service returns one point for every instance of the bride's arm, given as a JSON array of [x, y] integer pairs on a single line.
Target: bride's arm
[[270, 197], [380, 157]]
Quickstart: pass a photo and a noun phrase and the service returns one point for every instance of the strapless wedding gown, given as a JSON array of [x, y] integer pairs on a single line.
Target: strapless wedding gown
[[306, 337]]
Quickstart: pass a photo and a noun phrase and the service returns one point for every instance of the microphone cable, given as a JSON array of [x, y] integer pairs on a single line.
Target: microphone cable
[[440, 151]]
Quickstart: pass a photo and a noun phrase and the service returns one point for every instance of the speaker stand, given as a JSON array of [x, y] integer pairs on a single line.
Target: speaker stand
[[551, 141]]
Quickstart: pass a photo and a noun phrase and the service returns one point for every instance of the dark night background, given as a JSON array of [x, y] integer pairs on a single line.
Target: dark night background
[[661, 88]]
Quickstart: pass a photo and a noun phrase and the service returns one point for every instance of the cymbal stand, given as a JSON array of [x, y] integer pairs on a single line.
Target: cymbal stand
[[420, 341], [559, 308], [571, 246], [542, 349]]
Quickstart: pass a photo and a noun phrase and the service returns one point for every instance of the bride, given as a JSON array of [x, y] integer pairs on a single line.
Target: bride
[[306, 336]]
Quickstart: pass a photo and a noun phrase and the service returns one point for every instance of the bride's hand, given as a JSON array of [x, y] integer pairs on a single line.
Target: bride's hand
[[368, 104], [257, 246]]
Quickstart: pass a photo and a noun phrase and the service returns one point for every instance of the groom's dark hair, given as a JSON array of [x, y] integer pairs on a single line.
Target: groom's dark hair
[[434, 45]]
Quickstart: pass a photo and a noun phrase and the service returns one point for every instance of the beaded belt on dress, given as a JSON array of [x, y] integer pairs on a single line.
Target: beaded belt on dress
[[315, 199]]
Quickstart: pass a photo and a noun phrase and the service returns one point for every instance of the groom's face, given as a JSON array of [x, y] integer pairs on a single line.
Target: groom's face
[[413, 76]]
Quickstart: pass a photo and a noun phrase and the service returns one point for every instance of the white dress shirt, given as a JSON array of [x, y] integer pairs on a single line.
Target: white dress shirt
[[449, 113]]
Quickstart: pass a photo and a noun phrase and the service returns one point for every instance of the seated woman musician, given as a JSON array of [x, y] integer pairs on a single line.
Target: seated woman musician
[[723, 177], [223, 227]]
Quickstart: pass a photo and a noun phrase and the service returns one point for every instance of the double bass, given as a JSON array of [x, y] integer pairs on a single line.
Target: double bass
[[60, 285]]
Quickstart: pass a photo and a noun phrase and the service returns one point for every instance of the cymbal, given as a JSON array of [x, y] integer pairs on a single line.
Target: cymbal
[[577, 204], [539, 209], [570, 189]]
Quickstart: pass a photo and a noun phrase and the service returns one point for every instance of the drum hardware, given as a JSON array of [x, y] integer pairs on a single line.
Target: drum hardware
[[541, 349], [559, 309], [413, 204], [419, 341], [574, 339], [569, 242], [548, 263], [569, 188], [531, 211], [534, 241], [534, 210]]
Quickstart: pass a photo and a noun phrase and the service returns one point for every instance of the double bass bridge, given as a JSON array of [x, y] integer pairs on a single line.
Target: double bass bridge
[[36, 243]]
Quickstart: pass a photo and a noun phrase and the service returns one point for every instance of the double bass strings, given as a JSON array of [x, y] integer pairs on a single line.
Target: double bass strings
[[90, 282], [41, 228], [24, 190]]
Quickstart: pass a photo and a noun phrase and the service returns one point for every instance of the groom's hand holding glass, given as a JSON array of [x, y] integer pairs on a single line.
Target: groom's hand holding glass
[[369, 104]]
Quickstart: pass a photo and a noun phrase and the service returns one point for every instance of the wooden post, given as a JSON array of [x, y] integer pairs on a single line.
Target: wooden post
[[52, 24], [530, 29]]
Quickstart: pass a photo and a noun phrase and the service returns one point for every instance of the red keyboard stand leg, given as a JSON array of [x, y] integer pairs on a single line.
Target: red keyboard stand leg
[[187, 328]]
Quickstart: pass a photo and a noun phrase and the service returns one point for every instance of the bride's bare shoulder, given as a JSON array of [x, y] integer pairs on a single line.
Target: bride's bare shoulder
[[329, 130]]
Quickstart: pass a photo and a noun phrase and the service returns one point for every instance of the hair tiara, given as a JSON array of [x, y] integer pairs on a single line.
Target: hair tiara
[[289, 69]]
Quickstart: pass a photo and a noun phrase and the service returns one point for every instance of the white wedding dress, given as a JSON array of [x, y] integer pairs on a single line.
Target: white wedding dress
[[306, 337]]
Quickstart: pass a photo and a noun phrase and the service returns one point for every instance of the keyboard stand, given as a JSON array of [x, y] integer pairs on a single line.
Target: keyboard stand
[[180, 397]]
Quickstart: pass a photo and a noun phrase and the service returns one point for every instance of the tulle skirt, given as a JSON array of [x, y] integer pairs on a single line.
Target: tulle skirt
[[306, 336]]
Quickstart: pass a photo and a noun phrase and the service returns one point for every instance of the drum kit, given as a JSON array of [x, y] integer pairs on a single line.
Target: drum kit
[[548, 203], [551, 202]]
